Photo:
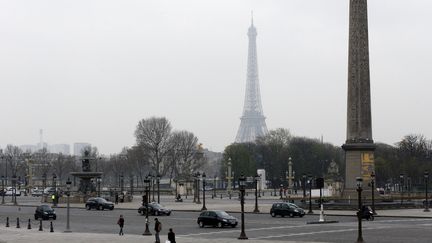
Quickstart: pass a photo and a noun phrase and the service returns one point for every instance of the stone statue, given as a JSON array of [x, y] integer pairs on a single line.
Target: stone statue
[[86, 162]]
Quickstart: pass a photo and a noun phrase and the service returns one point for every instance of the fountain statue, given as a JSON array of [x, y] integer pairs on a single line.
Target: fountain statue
[[86, 185]]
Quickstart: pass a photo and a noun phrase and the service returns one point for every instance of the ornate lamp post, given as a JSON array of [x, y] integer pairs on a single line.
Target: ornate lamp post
[[158, 177], [147, 190], [98, 180], [242, 184], [426, 177], [3, 192], [121, 184], [14, 182], [304, 187], [401, 186], [214, 186], [256, 179], [54, 184], [44, 177], [373, 191], [68, 187], [197, 186], [310, 194], [204, 184], [359, 212]]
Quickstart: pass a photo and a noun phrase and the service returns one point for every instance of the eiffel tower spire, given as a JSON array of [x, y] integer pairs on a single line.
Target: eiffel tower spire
[[252, 123]]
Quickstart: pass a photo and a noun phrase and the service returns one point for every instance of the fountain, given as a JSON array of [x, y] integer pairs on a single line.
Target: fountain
[[86, 185]]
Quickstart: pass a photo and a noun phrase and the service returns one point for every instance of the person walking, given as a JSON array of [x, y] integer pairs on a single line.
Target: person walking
[[171, 236], [157, 229], [120, 222]]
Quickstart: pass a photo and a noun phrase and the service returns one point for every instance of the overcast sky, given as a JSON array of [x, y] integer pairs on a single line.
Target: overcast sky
[[88, 71]]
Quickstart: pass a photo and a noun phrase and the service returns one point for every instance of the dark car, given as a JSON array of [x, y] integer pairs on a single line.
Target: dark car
[[286, 209], [154, 209], [99, 204], [216, 218], [44, 212]]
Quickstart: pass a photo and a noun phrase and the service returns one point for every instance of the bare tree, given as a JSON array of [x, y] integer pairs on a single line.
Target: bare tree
[[153, 136]]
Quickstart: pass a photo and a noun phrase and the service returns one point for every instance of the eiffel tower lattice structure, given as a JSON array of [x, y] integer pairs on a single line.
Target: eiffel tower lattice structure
[[252, 123]]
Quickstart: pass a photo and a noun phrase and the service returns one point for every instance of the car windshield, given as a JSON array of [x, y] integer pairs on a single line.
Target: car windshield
[[293, 205], [222, 214], [46, 208], [155, 205], [101, 200]]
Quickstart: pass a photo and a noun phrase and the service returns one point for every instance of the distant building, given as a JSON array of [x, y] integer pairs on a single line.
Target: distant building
[[27, 148], [79, 148], [60, 149]]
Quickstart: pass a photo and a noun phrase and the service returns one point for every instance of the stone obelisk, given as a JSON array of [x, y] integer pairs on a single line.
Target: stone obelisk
[[359, 146]]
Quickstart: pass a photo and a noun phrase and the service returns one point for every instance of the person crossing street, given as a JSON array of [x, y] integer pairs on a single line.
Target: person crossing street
[[120, 222], [157, 229]]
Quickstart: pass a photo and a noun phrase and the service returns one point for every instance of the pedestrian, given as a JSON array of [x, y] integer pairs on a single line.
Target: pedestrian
[[157, 229], [120, 222], [171, 236], [116, 198]]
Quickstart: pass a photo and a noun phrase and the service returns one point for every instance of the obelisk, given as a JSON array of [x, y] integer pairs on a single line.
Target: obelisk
[[359, 146]]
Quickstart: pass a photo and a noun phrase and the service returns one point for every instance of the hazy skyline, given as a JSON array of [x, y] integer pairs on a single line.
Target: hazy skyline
[[88, 71]]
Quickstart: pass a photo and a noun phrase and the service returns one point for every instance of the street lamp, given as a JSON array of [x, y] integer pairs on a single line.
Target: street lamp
[[99, 180], [14, 199], [242, 184], [3, 191], [304, 187], [310, 194], [204, 184], [373, 191], [121, 184], [359, 212], [214, 186], [426, 177], [197, 179], [54, 184], [158, 177], [147, 190], [401, 186], [44, 176], [68, 188], [256, 179]]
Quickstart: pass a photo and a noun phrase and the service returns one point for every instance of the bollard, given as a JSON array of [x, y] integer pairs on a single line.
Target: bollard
[[40, 225], [18, 224], [7, 221], [51, 227], [29, 224], [221, 195]]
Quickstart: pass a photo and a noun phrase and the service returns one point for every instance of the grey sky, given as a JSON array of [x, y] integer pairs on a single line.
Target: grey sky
[[90, 70]]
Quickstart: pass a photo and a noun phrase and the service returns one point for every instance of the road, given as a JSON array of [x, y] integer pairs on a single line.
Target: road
[[258, 226]]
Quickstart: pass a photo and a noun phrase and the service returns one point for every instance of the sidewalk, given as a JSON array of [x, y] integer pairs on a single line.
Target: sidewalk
[[13, 235]]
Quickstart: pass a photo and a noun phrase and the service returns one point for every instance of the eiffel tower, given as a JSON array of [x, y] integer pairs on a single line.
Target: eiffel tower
[[252, 123]]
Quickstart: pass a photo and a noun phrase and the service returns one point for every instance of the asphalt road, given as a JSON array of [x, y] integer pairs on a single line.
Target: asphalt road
[[258, 226]]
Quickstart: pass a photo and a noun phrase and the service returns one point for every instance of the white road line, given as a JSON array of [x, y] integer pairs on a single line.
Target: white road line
[[317, 232], [252, 229]]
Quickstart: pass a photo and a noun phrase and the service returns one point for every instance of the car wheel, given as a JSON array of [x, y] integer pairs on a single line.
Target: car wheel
[[283, 215], [273, 214], [168, 214], [36, 217], [102, 208], [112, 208], [55, 217], [219, 225], [157, 213], [291, 215], [372, 218], [201, 224], [88, 207], [233, 226], [301, 215]]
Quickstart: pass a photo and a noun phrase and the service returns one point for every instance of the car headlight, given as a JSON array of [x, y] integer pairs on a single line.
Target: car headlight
[[224, 220], [296, 210], [45, 212]]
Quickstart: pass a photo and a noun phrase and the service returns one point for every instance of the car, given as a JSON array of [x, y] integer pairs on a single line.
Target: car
[[10, 192], [154, 209], [286, 209], [99, 204], [36, 193], [44, 212], [216, 218]]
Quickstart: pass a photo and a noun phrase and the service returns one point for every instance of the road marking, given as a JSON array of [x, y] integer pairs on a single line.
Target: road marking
[[317, 232], [252, 229]]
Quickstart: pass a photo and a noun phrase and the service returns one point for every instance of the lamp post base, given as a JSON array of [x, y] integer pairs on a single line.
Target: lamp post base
[[256, 210], [203, 208], [242, 236], [147, 231], [426, 210]]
